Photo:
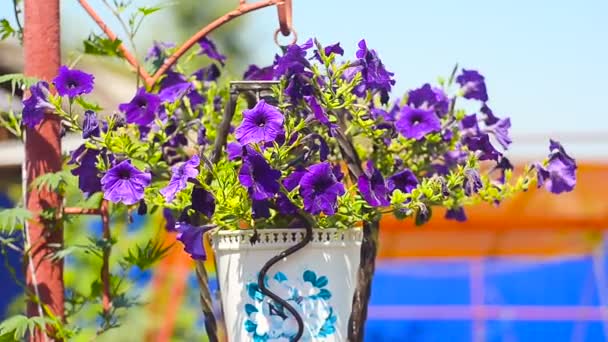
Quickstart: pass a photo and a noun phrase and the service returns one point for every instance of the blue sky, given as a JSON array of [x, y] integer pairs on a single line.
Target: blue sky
[[546, 62]]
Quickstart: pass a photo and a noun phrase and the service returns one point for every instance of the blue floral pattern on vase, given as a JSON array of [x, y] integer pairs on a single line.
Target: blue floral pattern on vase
[[268, 321]]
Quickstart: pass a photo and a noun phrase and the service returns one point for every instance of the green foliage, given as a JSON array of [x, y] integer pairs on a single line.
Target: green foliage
[[6, 30], [13, 219], [145, 256], [53, 181], [16, 328], [97, 45]]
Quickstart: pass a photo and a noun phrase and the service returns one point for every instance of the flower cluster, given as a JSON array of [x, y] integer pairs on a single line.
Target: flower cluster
[[329, 148]]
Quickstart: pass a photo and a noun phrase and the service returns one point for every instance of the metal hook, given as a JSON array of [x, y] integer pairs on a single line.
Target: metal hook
[[285, 13]]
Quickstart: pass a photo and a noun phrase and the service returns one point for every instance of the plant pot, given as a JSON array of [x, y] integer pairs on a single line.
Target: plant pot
[[318, 280]]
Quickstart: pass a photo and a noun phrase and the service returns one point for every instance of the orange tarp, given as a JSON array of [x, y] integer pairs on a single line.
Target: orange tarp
[[535, 223]]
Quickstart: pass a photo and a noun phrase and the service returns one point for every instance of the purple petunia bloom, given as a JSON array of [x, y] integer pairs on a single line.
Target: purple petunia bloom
[[142, 108], [469, 124], [472, 182], [208, 74], [417, 123], [320, 188], [329, 49], [90, 125], [373, 187], [473, 85], [318, 111], [169, 220], [560, 173], [36, 105], [456, 214], [255, 73], [125, 183], [73, 82], [260, 209], [262, 123], [285, 206], [158, 51], [374, 73], [208, 48], [234, 150], [261, 179], [179, 177], [404, 180], [203, 201], [293, 179], [490, 118], [293, 60], [426, 97], [503, 165], [500, 130], [482, 145], [192, 238], [86, 171], [299, 86]]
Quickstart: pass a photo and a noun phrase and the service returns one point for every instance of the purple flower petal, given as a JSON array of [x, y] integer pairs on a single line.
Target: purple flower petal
[[373, 187], [456, 214], [473, 85], [259, 177], [73, 82], [320, 189], [417, 123], [404, 180], [90, 126], [179, 177], [262, 123], [142, 108], [203, 201], [125, 183], [208, 48], [37, 104], [192, 238]]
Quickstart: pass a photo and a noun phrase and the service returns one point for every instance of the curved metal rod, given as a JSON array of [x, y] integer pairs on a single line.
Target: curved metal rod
[[262, 275], [285, 13]]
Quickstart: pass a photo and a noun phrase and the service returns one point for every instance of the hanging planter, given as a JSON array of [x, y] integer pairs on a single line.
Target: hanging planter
[[318, 282]]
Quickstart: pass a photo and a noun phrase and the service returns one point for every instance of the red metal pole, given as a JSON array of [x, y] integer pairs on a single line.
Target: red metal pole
[[41, 41]]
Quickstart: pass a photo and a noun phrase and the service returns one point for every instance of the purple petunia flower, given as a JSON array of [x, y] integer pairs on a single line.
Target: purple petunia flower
[[299, 86], [470, 125], [169, 220], [207, 74], [473, 85], [125, 183], [482, 145], [373, 187], [255, 73], [456, 214], [490, 118], [142, 108], [318, 111], [293, 60], [329, 49], [203, 201], [208, 48], [426, 97], [500, 130], [262, 123], [192, 238], [560, 173], [374, 73], [234, 150], [87, 173], [293, 179], [261, 179], [285, 206], [503, 165], [36, 105], [158, 51], [320, 188], [260, 209], [417, 123], [404, 180], [179, 177], [90, 125], [73, 82], [472, 182]]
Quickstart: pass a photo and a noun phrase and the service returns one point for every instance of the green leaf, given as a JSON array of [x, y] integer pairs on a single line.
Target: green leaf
[[88, 105], [6, 30], [97, 45], [15, 218], [15, 328], [18, 80], [145, 11], [145, 256], [52, 181]]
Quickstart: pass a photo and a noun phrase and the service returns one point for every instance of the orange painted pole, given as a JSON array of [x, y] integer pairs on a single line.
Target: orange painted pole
[[44, 276]]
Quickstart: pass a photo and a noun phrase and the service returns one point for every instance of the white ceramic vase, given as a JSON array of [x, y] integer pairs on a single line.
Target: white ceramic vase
[[319, 281]]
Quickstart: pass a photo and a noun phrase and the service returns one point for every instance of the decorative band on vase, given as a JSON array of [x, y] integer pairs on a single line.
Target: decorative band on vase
[[275, 238]]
